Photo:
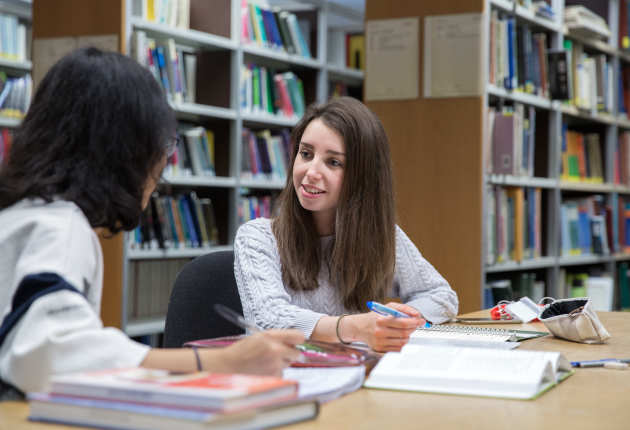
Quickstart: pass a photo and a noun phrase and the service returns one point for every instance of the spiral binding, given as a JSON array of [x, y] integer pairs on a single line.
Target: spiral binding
[[467, 329]]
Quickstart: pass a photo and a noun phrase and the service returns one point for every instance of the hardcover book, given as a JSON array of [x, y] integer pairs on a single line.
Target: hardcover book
[[470, 371]]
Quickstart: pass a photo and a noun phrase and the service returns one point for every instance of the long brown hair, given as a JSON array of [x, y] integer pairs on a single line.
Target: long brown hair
[[361, 256]]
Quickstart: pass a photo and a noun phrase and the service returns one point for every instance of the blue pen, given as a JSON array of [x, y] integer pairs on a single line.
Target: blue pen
[[598, 363], [386, 311]]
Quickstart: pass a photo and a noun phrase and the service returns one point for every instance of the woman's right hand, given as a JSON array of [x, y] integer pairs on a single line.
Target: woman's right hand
[[263, 353]]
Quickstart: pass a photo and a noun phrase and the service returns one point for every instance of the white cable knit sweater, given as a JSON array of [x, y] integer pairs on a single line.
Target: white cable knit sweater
[[269, 304]]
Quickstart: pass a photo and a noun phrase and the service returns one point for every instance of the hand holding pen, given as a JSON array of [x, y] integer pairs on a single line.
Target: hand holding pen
[[264, 352], [310, 351], [391, 333]]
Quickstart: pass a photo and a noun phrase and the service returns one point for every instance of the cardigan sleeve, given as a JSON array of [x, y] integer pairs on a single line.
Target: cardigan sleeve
[[420, 285], [259, 278]]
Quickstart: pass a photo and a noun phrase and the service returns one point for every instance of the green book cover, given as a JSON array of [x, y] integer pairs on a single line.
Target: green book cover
[[256, 87], [261, 25], [624, 288], [271, 107]]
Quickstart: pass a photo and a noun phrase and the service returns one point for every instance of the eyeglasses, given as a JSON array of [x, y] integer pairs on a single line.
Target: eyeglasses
[[171, 144]]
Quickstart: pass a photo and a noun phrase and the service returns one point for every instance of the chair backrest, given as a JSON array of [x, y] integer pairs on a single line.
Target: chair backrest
[[200, 284]]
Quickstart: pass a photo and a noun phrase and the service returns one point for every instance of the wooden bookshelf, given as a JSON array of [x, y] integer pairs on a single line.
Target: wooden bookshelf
[[438, 148], [215, 31]]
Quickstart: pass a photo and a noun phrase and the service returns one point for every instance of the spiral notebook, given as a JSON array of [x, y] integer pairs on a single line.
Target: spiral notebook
[[463, 335]]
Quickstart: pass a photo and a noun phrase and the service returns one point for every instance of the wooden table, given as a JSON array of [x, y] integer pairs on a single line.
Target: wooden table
[[590, 399]]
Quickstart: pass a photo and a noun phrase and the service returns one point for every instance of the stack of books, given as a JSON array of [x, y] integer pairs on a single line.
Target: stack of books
[[138, 398]]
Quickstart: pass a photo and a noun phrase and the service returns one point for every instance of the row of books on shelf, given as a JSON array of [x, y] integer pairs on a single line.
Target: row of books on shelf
[[6, 139], [512, 140], [581, 157], [518, 57], [586, 226], [514, 224], [150, 285], [512, 288], [15, 95], [174, 67], [174, 13], [265, 154], [274, 28], [178, 221], [346, 49], [140, 398], [14, 38], [255, 206], [599, 287], [590, 79], [195, 155], [265, 91]]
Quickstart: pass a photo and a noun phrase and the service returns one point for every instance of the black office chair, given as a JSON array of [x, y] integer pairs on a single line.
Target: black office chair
[[200, 284]]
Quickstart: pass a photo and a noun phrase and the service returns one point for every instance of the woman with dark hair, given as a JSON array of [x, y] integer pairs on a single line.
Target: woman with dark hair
[[334, 243], [87, 157]]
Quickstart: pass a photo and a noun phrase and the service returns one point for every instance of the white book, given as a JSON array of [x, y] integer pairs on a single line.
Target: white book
[[336, 48], [470, 371], [183, 14], [190, 66], [600, 290]]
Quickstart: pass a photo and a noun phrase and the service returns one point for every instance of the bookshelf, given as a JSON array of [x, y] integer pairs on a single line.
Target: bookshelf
[[219, 37], [442, 177], [16, 63]]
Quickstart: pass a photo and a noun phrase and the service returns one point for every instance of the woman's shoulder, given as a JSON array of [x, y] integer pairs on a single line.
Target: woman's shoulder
[[57, 215], [259, 227]]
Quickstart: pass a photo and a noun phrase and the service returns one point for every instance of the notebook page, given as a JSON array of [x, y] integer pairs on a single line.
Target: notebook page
[[325, 383]]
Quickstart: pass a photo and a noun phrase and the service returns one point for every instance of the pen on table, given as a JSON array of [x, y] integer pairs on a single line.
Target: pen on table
[[386, 311], [611, 363]]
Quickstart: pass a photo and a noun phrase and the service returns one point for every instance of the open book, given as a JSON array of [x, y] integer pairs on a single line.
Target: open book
[[470, 371]]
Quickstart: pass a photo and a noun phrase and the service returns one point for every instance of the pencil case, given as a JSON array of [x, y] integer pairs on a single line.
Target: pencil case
[[574, 319]]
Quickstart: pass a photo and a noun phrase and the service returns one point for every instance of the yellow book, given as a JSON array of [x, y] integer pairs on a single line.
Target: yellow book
[[210, 147], [356, 51], [518, 197], [151, 10]]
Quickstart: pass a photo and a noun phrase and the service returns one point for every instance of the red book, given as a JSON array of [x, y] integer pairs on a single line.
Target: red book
[[285, 99], [213, 392]]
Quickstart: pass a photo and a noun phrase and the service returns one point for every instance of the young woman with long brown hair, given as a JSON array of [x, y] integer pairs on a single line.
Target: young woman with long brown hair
[[334, 244]]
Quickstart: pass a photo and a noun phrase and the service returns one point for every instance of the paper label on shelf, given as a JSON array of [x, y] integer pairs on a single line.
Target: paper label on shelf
[[392, 59], [453, 57]]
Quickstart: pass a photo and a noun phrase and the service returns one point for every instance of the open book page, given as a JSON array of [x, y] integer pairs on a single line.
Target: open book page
[[471, 371], [326, 384]]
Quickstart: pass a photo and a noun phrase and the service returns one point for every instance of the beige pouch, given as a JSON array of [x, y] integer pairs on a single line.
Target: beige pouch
[[574, 319]]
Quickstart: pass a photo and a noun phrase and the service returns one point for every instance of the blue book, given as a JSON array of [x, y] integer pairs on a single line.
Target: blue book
[[192, 208], [584, 231], [510, 82], [622, 103], [162, 66], [171, 221], [187, 222]]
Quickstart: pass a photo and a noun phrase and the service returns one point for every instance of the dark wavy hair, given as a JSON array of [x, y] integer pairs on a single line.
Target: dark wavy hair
[[98, 126], [362, 255]]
